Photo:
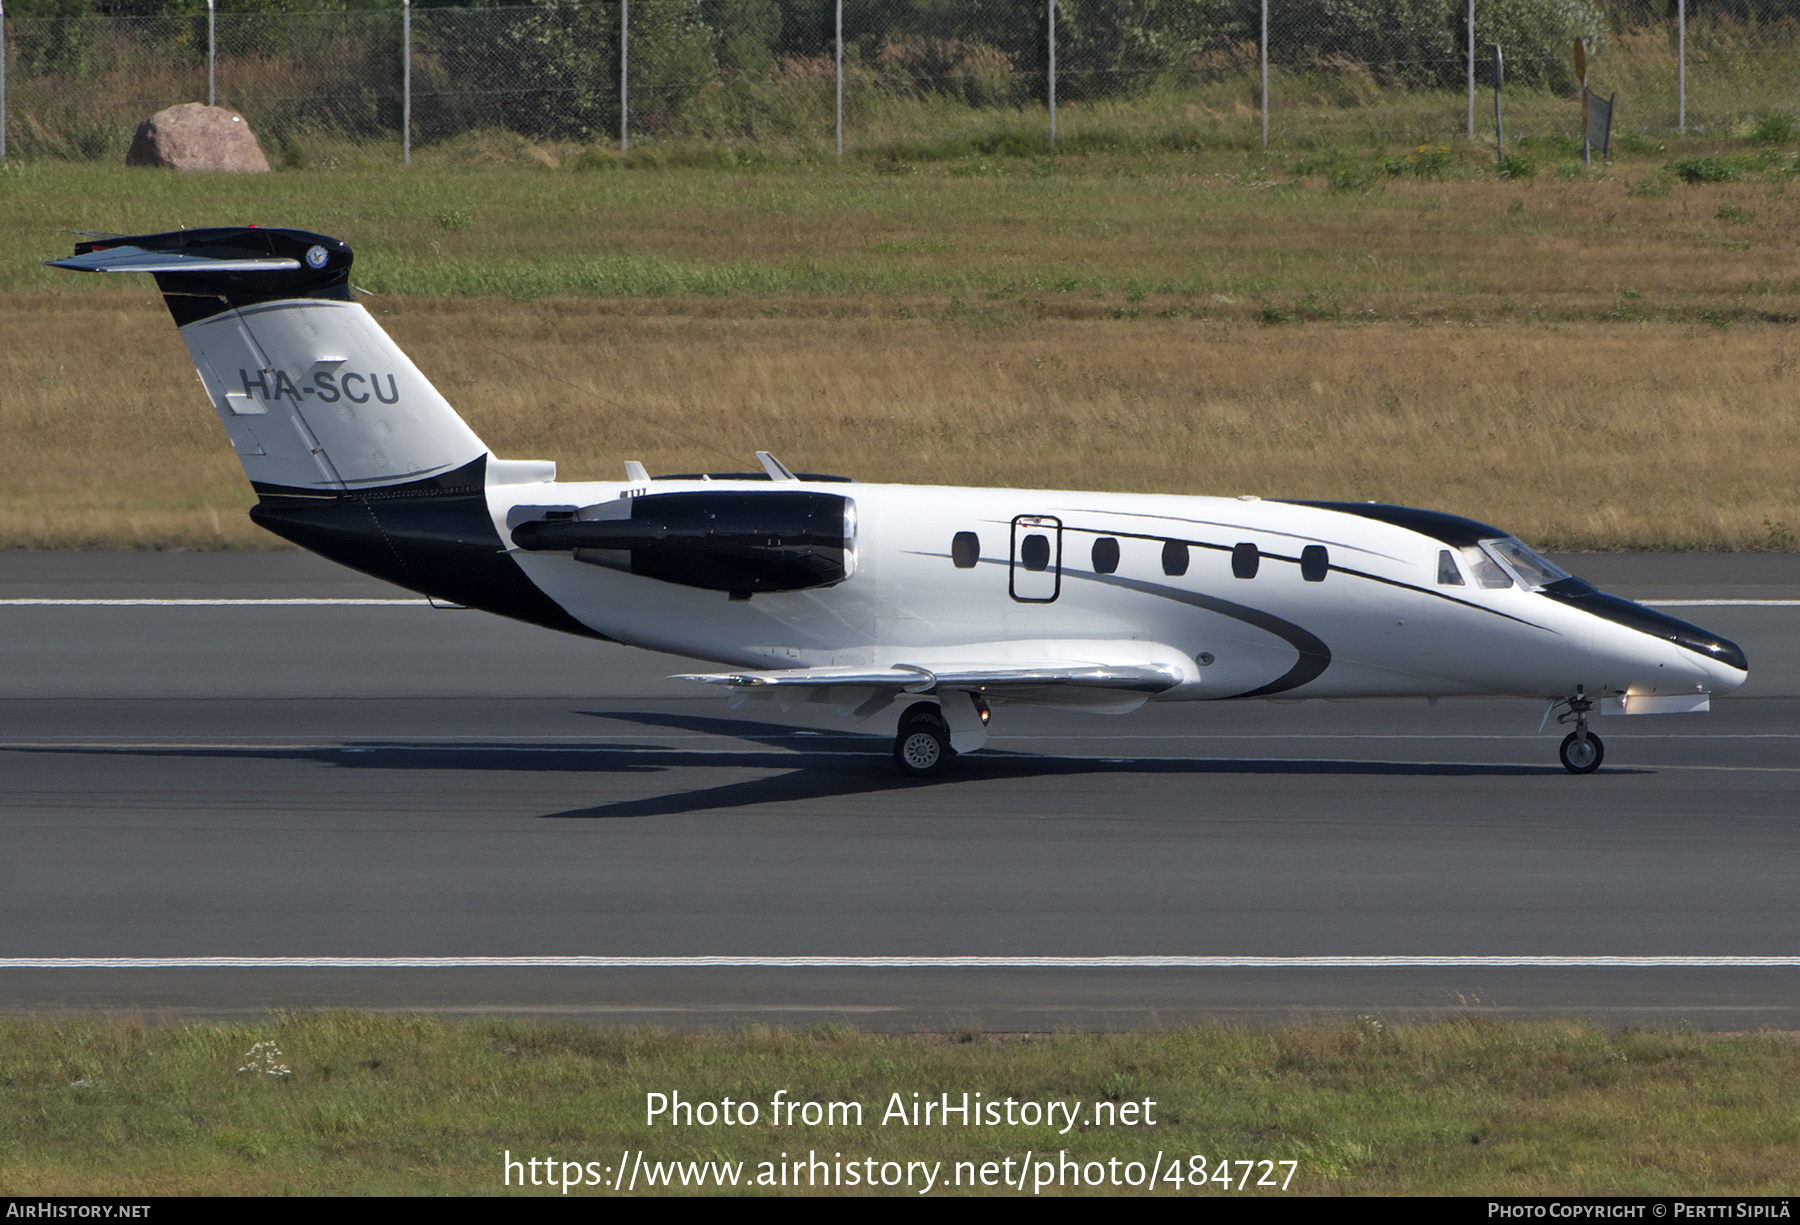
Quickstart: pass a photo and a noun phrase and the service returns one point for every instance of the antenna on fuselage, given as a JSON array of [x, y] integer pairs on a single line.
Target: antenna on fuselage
[[777, 470]]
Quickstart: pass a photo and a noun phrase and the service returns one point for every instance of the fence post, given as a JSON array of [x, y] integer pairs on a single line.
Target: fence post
[[1499, 132], [1471, 69], [406, 82], [624, 76], [1265, 72], [840, 78], [212, 57], [1681, 65], [1050, 10]]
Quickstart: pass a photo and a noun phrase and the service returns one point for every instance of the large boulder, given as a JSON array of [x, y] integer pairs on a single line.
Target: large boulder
[[194, 136]]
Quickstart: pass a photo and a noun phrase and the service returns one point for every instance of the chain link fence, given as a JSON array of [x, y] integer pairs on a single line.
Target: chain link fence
[[887, 76]]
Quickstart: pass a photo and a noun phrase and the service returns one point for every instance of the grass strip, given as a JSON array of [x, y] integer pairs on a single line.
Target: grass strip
[[1340, 235], [345, 1102]]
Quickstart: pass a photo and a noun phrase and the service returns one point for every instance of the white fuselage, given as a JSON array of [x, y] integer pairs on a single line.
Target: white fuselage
[[1390, 628]]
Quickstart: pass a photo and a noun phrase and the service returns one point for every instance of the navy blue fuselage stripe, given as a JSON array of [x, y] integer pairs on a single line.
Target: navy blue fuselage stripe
[[1315, 656]]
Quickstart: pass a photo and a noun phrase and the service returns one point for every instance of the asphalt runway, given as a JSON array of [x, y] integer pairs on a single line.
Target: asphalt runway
[[352, 780]]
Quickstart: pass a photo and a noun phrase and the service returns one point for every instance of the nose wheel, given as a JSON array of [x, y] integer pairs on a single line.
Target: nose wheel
[[1581, 751], [922, 745]]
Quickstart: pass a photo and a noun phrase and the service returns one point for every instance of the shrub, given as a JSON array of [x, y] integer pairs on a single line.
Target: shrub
[[1418, 42], [596, 158], [1427, 163], [1773, 130], [50, 35], [1341, 170], [1516, 166], [1703, 170], [972, 73], [1765, 160]]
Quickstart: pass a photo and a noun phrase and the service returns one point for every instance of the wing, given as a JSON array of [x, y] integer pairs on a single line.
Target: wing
[[864, 691]]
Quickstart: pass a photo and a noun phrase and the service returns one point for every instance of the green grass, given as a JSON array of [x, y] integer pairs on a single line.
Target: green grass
[[1371, 233], [403, 1104]]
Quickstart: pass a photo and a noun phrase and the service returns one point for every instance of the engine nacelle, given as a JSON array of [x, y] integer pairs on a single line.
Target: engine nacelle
[[743, 543]]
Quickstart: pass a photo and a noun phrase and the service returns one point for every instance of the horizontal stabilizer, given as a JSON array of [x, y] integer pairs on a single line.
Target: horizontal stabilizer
[[136, 259], [203, 273]]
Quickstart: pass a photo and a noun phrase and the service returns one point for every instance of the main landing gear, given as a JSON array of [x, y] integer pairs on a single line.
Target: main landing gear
[[1581, 752], [922, 745]]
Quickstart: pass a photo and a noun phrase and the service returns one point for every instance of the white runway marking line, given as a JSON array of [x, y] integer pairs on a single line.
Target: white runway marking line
[[319, 740], [288, 602], [1121, 962], [302, 601]]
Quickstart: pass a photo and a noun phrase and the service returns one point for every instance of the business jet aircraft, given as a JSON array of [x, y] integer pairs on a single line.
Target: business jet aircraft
[[811, 588]]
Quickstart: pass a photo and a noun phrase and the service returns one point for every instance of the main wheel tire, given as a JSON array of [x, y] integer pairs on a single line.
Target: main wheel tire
[[1581, 754], [922, 749], [926, 713]]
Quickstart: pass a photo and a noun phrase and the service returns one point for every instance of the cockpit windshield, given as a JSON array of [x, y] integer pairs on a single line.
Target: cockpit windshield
[[1531, 570], [1486, 570]]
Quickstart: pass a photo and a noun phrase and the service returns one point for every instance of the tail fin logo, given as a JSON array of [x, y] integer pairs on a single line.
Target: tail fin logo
[[272, 385], [316, 257]]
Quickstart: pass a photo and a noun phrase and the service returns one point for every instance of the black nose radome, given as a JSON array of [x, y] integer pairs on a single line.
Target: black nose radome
[[1585, 596]]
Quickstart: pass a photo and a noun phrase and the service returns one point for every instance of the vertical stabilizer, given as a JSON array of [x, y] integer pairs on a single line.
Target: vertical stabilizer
[[313, 393], [353, 453]]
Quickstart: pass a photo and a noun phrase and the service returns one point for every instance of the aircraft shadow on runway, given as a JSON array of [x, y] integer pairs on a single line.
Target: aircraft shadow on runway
[[846, 772], [813, 765]]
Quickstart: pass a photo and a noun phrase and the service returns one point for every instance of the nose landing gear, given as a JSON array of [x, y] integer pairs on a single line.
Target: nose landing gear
[[1581, 751]]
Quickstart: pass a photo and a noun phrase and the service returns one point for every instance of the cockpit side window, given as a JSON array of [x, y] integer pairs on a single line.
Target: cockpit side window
[[1448, 574], [1486, 570], [1531, 570]]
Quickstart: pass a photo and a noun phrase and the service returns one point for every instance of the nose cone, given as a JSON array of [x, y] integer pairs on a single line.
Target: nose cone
[[1727, 676], [1721, 660]]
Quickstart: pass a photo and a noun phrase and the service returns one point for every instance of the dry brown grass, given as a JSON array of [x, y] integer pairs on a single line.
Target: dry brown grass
[[1587, 435]]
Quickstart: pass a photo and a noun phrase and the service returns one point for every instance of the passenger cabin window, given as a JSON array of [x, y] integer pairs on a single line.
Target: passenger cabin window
[[1034, 552], [1106, 555], [965, 550], [1486, 570], [1448, 574], [1175, 557], [1244, 560], [1315, 563]]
